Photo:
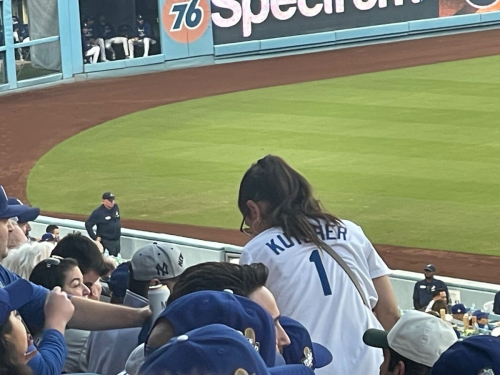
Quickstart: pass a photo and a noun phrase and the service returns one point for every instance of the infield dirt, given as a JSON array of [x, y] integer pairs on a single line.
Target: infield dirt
[[33, 122]]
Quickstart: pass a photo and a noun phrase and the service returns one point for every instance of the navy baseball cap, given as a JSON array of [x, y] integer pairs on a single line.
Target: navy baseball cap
[[213, 349], [118, 283], [8, 210], [109, 196], [13, 297], [140, 17], [430, 268], [459, 308], [31, 213], [476, 355], [301, 349], [199, 309], [481, 314], [48, 237]]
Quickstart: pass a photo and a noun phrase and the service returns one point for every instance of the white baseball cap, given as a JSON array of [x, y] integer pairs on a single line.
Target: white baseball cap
[[418, 336], [157, 261]]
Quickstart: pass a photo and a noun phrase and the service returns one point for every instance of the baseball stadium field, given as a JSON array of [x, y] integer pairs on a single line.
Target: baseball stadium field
[[405, 144]]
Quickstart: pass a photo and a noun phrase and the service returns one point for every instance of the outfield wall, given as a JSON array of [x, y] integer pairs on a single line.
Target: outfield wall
[[198, 251], [203, 32]]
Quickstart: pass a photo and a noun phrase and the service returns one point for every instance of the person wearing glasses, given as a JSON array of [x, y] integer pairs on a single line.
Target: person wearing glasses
[[64, 273], [290, 228], [16, 345]]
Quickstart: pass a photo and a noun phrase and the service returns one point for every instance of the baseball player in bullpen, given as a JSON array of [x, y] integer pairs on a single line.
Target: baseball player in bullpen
[[106, 218], [290, 230]]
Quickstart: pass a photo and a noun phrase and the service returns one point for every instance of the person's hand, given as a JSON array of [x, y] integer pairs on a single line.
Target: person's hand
[[98, 239], [95, 291], [58, 310], [99, 245]]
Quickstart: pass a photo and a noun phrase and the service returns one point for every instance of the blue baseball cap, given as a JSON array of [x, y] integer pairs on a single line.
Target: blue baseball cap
[[47, 237], [481, 314], [459, 308], [476, 355], [13, 297], [29, 215], [301, 349], [8, 210], [213, 349], [118, 282], [199, 309]]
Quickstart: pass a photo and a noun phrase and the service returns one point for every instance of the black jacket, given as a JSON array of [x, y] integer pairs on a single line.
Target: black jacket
[[107, 222], [422, 293]]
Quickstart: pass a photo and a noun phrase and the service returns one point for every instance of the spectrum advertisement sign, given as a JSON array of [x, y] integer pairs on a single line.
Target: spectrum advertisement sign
[[236, 21]]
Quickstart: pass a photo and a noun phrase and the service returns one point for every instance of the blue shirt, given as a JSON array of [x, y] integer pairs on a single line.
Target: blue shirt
[[52, 349]]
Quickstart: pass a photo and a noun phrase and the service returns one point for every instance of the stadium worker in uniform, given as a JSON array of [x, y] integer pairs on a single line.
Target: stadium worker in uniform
[[143, 36], [106, 218], [298, 240], [424, 289]]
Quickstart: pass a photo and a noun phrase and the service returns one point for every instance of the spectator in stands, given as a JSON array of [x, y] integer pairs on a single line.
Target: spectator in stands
[[88, 314], [107, 32], [54, 229], [143, 37], [15, 341], [151, 265], [496, 304], [477, 355], [49, 237], [90, 49], [423, 291], [482, 319], [244, 280], [413, 345], [298, 240], [200, 309], [106, 219], [219, 350], [438, 306], [437, 295], [17, 237], [458, 311], [88, 256], [24, 219], [64, 273], [21, 261]]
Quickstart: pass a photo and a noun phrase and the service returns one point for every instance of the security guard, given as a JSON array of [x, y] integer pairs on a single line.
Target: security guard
[[422, 293], [106, 218]]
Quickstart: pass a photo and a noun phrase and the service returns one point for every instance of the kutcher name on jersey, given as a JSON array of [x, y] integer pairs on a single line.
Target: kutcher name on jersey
[[326, 232]]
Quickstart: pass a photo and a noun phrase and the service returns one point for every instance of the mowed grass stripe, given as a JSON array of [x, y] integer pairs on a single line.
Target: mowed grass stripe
[[412, 155]]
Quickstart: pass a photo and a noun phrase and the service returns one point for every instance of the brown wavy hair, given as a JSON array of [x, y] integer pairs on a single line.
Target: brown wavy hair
[[292, 206], [8, 365]]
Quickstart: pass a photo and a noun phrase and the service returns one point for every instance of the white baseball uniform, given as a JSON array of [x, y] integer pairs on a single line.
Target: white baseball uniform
[[312, 288]]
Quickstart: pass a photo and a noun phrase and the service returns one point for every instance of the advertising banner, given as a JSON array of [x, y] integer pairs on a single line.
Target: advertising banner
[[236, 21]]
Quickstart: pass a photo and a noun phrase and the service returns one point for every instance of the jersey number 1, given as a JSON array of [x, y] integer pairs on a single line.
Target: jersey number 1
[[316, 259]]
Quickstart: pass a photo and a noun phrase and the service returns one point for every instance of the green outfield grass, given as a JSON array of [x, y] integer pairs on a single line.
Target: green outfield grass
[[412, 155]]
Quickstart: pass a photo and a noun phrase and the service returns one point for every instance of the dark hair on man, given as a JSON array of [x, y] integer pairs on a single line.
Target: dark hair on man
[[84, 251], [243, 280], [437, 292], [51, 228], [438, 305], [411, 368], [8, 354], [50, 275], [292, 206]]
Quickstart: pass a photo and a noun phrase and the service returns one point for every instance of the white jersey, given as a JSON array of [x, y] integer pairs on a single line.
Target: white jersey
[[313, 289]]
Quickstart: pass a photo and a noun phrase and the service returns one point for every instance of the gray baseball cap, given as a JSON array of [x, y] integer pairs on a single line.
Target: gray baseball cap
[[157, 261]]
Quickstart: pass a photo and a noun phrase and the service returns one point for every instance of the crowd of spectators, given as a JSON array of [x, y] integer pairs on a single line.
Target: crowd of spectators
[[100, 40], [293, 305]]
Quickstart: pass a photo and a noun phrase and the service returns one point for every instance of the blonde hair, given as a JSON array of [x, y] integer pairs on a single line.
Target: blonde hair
[[22, 260]]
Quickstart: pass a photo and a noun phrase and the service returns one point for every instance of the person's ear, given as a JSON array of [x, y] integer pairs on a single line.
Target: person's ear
[[399, 369], [253, 211], [154, 282]]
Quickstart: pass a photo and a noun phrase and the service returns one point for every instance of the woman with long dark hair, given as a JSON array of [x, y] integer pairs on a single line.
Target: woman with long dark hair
[[290, 232]]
